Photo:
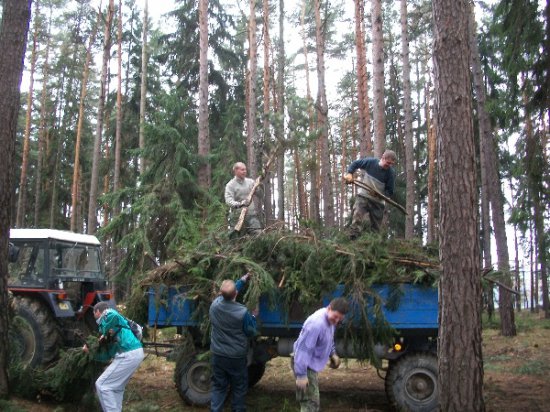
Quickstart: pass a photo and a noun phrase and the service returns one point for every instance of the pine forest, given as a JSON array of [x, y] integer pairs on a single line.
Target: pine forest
[[133, 114]]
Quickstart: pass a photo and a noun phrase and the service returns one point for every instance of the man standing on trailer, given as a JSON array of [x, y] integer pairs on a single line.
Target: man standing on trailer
[[237, 191], [368, 209]]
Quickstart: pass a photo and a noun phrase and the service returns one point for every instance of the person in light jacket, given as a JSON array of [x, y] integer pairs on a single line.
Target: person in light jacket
[[237, 191], [313, 349]]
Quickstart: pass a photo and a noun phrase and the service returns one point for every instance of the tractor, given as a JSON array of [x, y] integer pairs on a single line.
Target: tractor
[[55, 278]]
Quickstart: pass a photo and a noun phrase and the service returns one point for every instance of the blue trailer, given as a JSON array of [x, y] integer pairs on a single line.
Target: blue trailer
[[411, 372]]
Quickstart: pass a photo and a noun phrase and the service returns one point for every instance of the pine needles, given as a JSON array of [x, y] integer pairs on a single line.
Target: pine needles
[[70, 379], [290, 268]]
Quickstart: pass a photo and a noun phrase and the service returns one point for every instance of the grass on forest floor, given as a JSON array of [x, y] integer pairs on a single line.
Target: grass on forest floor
[[523, 354]]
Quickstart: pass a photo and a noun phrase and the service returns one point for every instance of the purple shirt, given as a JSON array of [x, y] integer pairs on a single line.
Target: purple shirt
[[314, 345]]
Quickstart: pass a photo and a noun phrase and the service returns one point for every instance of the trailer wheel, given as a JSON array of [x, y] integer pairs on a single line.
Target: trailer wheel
[[34, 334], [255, 373], [411, 382], [193, 381]]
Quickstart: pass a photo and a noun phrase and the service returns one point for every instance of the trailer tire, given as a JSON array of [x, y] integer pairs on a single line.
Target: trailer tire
[[255, 373], [34, 333], [411, 382], [193, 381]]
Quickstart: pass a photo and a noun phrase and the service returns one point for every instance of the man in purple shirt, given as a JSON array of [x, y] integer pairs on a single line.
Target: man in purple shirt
[[313, 349]]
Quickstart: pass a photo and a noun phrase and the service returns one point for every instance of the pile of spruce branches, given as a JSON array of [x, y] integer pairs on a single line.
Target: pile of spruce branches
[[287, 268], [69, 379]]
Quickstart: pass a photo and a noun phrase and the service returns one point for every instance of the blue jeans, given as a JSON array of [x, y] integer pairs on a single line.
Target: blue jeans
[[229, 372]]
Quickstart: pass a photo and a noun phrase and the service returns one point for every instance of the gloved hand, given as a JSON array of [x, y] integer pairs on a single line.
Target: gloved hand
[[243, 203], [301, 383], [335, 361], [348, 177]]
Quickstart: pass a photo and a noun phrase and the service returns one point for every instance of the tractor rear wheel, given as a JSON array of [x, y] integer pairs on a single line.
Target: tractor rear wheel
[[255, 373], [34, 333], [193, 380], [411, 382]]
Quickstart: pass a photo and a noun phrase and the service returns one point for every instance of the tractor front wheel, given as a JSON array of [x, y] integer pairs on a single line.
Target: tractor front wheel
[[34, 333]]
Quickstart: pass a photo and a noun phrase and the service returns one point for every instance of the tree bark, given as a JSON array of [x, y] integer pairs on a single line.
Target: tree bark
[[409, 150], [118, 126], [42, 128], [362, 81], [22, 197], [268, 209], [14, 27], [496, 197], [313, 207], [459, 349], [251, 138], [322, 117], [143, 94], [83, 94], [484, 127], [205, 172], [280, 126], [92, 206], [534, 166], [431, 236], [378, 107]]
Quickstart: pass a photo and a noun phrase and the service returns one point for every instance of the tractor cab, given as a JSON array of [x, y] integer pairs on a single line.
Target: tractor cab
[[56, 275]]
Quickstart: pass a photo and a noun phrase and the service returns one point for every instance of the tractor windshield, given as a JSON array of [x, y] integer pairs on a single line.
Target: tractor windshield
[[75, 260]]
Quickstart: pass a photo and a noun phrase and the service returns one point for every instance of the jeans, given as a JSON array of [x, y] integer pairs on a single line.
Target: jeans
[[229, 372]]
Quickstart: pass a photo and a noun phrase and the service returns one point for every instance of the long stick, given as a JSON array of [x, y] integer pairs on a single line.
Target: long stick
[[376, 193], [257, 183]]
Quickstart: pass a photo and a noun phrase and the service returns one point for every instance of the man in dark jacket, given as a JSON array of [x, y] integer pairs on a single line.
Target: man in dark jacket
[[378, 174], [232, 326]]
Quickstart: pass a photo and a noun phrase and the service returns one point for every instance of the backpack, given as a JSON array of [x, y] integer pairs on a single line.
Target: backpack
[[136, 328]]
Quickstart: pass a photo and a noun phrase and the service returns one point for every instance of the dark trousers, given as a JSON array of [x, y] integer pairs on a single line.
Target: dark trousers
[[367, 215], [229, 372]]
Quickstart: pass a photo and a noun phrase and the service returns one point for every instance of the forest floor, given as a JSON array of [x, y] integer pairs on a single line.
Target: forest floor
[[516, 378]]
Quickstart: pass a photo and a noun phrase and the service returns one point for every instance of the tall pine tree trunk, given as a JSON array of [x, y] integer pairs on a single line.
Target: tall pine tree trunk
[[251, 138], [534, 166], [83, 94], [431, 236], [313, 209], [484, 127], [42, 129], [409, 150], [118, 126], [16, 15], [143, 92], [280, 125], [378, 107], [22, 198], [496, 197], [204, 138], [92, 206], [362, 80], [459, 347], [268, 209], [322, 117]]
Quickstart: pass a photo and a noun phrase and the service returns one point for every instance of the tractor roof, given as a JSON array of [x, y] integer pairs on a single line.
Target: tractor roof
[[53, 234]]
